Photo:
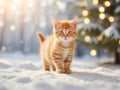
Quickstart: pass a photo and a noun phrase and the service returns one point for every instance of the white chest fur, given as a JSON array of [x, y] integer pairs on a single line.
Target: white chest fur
[[65, 54]]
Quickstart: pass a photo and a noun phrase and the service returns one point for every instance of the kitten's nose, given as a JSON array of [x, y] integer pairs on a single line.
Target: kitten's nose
[[65, 36]]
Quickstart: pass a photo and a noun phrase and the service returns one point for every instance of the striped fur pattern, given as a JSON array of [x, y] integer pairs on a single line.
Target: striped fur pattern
[[57, 50]]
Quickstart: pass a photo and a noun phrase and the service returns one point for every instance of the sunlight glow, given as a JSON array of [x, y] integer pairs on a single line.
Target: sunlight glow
[[13, 7], [111, 19], [84, 12], [86, 21], [3, 48], [93, 52], [102, 16], [18, 1], [107, 3], [44, 3], [30, 4], [2, 11], [12, 27], [87, 38], [1, 2], [1, 23]]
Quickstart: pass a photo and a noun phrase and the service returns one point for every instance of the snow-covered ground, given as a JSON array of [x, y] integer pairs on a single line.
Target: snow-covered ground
[[20, 72]]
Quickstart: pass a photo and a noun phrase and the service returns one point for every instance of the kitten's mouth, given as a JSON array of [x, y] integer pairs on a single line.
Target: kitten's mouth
[[65, 38]]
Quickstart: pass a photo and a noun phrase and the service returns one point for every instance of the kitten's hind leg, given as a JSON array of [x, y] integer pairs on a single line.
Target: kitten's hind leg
[[46, 65]]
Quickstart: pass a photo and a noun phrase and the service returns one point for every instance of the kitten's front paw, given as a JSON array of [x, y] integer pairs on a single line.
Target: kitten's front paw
[[60, 71], [53, 68], [46, 69], [68, 71]]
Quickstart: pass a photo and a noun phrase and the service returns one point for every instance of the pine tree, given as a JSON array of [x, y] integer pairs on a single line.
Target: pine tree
[[111, 36], [95, 18]]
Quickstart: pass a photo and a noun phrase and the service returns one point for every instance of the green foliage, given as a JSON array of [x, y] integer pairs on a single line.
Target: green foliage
[[108, 43], [93, 35]]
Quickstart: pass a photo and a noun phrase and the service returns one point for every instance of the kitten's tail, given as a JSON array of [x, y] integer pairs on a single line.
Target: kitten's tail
[[40, 36]]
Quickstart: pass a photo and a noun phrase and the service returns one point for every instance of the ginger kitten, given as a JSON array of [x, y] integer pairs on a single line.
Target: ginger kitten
[[57, 50]]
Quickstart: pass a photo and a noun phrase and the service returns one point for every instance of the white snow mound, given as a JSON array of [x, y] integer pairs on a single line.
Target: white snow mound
[[112, 31], [28, 75]]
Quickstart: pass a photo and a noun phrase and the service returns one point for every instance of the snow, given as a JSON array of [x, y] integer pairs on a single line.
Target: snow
[[117, 10], [24, 72], [117, 1], [90, 26], [112, 30]]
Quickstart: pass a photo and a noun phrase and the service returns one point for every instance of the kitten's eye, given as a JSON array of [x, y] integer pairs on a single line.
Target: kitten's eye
[[69, 32], [61, 32]]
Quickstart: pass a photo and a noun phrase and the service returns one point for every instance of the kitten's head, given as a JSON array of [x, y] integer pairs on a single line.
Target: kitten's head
[[65, 30]]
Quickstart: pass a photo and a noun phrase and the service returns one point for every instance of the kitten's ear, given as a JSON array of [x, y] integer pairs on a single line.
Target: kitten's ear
[[55, 22], [75, 22]]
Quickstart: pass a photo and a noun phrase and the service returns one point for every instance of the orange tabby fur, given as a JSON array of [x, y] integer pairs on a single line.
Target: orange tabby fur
[[58, 49]]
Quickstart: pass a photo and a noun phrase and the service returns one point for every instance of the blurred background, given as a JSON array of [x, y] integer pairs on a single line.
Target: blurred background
[[98, 26]]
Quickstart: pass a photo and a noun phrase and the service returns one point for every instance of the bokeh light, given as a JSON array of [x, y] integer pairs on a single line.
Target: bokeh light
[[119, 42], [86, 21], [3, 48], [93, 52], [95, 2], [111, 19], [84, 12], [101, 9], [12, 27], [87, 38], [107, 3], [102, 16], [100, 37]]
